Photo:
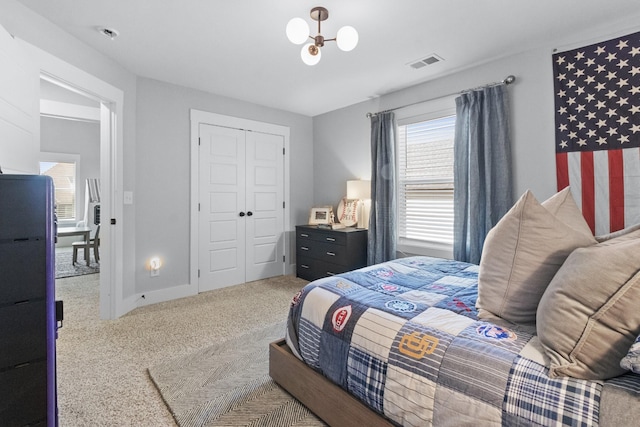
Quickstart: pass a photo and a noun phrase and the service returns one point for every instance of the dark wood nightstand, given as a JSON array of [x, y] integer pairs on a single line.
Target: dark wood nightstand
[[322, 253]]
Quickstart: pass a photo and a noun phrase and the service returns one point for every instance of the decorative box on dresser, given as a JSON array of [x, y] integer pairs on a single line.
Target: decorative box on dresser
[[27, 302], [323, 252]]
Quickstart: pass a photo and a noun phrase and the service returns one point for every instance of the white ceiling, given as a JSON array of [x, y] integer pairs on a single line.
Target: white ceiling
[[238, 48]]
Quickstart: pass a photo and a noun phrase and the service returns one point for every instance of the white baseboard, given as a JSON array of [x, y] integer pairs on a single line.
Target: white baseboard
[[127, 305], [291, 269], [152, 297], [162, 295]]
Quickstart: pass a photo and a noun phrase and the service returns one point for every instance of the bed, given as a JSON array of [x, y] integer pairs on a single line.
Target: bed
[[404, 343]]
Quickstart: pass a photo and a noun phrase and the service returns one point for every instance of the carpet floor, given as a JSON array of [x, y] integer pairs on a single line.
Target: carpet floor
[[102, 364], [228, 384]]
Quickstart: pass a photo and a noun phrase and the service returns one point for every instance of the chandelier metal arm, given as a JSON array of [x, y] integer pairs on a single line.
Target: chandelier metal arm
[[319, 14]]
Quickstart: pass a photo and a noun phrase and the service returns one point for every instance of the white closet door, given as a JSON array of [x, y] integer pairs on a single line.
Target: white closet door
[[222, 199], [265, 195], [241, 190]]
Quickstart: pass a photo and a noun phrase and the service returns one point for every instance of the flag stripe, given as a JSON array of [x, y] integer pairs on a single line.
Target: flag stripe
[[562, 170], [616, 190], [631, 158], [575, 180], [601, 192], [588, 190]]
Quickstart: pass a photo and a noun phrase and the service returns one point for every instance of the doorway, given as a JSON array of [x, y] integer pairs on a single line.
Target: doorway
[[25, 65], [110, 100], [70, 154]]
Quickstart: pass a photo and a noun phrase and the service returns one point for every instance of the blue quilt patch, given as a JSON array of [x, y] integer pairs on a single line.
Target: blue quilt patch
[[366, 377], [419, 349], [532, 395]]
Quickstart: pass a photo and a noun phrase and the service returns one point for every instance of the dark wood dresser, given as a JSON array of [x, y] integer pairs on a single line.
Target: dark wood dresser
[[27, 302], [322, 253]]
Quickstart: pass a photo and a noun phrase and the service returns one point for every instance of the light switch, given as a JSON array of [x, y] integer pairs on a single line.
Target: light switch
[[128, 197]]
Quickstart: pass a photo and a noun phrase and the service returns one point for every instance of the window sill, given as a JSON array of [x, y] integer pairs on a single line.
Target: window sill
[[414, 247], [63, 223]]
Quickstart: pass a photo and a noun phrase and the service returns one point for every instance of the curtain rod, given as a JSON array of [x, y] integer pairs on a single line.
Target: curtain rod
[[507, 81]]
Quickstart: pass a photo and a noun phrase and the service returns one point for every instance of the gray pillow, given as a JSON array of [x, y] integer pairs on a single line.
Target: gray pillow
[[563, 206], [588, 317], [523, 252], [618, 233]]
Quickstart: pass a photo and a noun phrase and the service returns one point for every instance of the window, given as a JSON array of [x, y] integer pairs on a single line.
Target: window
[[63, 173], [425, 183]]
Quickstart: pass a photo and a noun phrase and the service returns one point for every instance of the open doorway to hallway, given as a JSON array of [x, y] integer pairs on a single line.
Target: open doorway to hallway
[[70, 154]]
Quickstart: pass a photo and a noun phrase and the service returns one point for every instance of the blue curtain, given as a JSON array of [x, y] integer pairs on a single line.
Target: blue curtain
[[482, 168], [382, 222]]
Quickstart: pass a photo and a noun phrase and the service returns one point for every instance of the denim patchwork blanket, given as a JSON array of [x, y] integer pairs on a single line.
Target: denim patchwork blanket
[[405, 339]]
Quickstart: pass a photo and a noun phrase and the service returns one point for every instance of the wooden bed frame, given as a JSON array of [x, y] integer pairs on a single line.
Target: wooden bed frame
[[331, 403]]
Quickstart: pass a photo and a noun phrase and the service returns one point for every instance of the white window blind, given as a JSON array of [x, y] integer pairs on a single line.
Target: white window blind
[[64, 182], [425, 181]]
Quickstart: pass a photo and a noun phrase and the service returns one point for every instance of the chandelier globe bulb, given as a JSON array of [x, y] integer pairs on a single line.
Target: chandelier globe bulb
[[347, 38], [308, 56], [297, 31]]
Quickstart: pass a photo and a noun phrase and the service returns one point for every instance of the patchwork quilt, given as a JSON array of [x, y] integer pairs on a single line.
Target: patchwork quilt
[[404, 338]]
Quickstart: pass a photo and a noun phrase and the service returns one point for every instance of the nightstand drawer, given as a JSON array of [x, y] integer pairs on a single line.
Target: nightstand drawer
[[318, 235], [312, 269], [306, 268], [324, 252], [332, 253], [327, 269]]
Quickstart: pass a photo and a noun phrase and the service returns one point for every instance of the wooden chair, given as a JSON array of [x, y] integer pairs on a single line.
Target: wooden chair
[[93, 243]]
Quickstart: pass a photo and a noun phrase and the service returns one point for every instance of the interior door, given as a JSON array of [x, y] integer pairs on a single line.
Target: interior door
[[264, 201], [222, 192], [241, 192]]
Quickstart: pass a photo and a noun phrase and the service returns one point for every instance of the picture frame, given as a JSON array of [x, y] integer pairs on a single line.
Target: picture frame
[[321, 215]]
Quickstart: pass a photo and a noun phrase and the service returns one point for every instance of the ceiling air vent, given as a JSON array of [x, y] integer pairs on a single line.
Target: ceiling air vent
[[431, 59]]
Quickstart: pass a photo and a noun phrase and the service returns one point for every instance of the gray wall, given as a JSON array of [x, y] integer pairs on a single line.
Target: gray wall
[[342, 137], [163, 172]]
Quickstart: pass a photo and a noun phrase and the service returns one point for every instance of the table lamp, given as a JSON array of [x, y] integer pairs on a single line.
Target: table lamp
[[361, 189]]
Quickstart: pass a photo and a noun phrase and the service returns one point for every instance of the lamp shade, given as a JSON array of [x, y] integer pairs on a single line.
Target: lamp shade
[[359, 189], [297, 31], [306, 56], [347, 38]]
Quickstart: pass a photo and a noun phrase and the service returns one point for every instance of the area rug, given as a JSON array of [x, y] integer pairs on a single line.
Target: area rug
[[228, 384], [66, 268]]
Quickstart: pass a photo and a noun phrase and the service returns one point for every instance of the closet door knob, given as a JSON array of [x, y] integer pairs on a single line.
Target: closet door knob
[[241, 214], [249, 213]]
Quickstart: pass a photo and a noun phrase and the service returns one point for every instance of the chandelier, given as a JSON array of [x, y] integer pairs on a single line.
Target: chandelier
[[298, 33]]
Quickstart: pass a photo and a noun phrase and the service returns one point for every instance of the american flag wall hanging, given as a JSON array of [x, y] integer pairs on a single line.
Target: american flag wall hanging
[[597, 101]]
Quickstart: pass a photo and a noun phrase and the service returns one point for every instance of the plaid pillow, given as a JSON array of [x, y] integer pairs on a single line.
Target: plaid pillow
[[632, 360]]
